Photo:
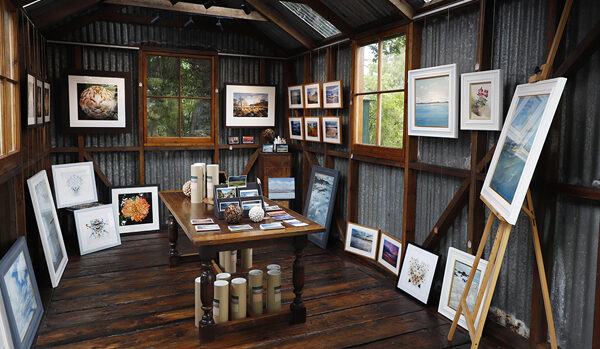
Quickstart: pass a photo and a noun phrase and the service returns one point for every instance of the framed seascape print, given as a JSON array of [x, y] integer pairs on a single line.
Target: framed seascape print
[[20, 295], [418, 270], [481, 100], [96, 229], [312, 95], [332, 129], [433, 102], [31, 117], [46, 102], [249, 105], [456, 274], [520, 145], [296, 128], [99, 101], [5, 335], [39, 101], [282, 188], [320, 201], [390, 250], [332, 92], [48, 226], [136, 208], [312, 129], [295, 97], [74, 184], [361, 240], [267, 148]]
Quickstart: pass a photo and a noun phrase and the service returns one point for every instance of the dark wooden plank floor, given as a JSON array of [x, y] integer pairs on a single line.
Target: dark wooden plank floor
[[128, 297]]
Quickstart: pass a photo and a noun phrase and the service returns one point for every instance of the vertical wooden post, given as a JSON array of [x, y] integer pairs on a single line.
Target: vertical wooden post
[[141, 117], [331, 58], [305, 163], [596, 339], [352, 208], [80, 143], [216, 119]]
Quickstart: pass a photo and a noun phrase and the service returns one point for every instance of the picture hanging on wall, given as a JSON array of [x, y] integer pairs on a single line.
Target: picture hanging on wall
[[361, 240], [47, 105], [312, 93], [295, 97], [233, 140], [520, 145], [136, 208], [320, 201], [332, 94], [96, 229], [74, 184], [39, 101], [390, 251], [332, 129], [296, 128], [481, 101], [249, 105], [418, 270], [312, 129], [433, 102], [31, 117]]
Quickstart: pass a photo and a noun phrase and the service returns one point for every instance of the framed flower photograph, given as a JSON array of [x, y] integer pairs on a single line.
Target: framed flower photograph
[[74, 184], [96, 229], [46, 108], [320, 201], [136, 208], [332, 129], [520, 145], [456, 274], [332, 92], [296, 128], [481, 101], [295, 97], [361, 240], [312, 128], [312, 95], [48, 226], [433, 102], [390, 251], [417, 272], [249, 105]]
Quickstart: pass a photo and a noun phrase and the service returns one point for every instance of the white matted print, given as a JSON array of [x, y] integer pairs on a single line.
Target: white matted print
[[97, 101], [312, 95], [295, 97], [481, 100], [433, 102], [332, 129], [390, 251], [332, 94], [456, 274], [312, 128], [136, 208], [96, 229], [296, 128], [5, 338], [361, 240], [74, 184], [520, 145], [249, 106], [418, 270]]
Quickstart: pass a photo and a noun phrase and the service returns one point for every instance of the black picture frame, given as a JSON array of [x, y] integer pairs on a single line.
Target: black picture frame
[[320, 239], [47, 105], [39, 101]]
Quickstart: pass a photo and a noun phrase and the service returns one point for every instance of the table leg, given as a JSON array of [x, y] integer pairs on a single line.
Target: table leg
[[173, 235], [206, 330], [298, 308]]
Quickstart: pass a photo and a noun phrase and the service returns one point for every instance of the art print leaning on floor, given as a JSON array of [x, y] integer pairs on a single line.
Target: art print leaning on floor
[[320, 201], [417, 272], [136, 208], [96, 229], [74, 184]]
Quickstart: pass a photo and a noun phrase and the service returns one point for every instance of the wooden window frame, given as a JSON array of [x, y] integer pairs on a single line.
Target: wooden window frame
[[178, 141], [376, 151]]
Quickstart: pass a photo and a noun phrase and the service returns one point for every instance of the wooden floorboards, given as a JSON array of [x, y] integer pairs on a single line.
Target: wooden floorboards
[[128, 297]]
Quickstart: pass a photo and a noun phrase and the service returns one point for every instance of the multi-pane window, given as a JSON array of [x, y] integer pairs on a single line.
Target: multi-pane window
[[9, 80]]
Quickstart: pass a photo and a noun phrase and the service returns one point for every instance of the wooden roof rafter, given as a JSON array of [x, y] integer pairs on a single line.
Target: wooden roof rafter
[[59, 13], [325, 12], [404, 7]]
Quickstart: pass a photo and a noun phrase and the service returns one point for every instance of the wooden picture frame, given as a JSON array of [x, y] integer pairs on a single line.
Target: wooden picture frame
[[361, 240], [418, 272], [96, 229], [295, 97], [312, 95], [296, 128], [250, 105], [312, 128], [319, 208], [390, 253], [481, 100], [74, 184], [332, 129], [333, 95], [136, 208]]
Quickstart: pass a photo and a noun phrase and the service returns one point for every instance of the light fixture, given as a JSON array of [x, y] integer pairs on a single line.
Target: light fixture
[[209, 3], [173, 2], [155, 19], [190, 21], [219, 24], [247, 8]]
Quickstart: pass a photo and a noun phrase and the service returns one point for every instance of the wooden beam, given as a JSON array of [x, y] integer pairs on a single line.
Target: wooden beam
[[58, 13], [583, 51], [596, 339], [331, 16], [404, 7], [251, 162]]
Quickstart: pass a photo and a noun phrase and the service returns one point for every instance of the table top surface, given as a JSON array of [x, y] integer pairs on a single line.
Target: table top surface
[[183, 211]]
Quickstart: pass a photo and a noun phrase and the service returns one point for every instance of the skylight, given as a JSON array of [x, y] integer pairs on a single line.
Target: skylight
[[312, 18]]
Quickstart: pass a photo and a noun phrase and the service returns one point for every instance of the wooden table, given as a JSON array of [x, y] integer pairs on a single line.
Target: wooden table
[[209, 243]]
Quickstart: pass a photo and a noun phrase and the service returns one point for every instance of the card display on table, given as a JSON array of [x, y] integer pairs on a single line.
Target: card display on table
[[207, 227]]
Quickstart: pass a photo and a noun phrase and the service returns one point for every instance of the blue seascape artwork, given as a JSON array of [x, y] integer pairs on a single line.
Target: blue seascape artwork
[[22, 297], [319, 199], [432, 97], [515, 151], [282, 188]]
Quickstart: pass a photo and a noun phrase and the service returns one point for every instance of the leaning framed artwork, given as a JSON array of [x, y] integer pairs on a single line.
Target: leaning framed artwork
[[249, 105], [361, 240], [312, 95], [332, 94], [96, 229], [136, 208], [320, 201], [390, 251], [74, 184], [332, 129], [296, 128], [433, 102], [312, 128], [417, 272], [520, 145], [481, 100], [295, 97]]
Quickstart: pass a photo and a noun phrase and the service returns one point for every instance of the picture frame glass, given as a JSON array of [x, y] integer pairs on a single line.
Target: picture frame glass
[[480, 103], [361, 240], [249, 105], [320, 201], [136, 208], [432, 97], [390, 251]]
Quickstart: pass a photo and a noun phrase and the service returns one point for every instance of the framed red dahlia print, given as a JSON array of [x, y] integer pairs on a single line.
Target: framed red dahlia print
[[136, 208]]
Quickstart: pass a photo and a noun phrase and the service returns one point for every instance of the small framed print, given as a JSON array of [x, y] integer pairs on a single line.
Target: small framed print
[[233, 140], [249, 105], [332, 129], [295, 97], [281, 148], [312, 129], [296, 128], [248, 139], [481, 101], [96, 229], [136, 208], [267, 148], [31, 116], [361, 240], [332, 94], [390, 250], [312, 93], [74, 184], [223, 204], [46, 102], [39, 101], [237, 181], [417, 273]]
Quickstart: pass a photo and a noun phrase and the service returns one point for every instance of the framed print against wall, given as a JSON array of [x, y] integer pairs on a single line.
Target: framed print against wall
[[481, 101], [249, 105]]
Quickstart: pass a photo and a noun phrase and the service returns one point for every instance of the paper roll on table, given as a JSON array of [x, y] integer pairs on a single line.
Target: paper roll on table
[[212, 179], [198, 183]]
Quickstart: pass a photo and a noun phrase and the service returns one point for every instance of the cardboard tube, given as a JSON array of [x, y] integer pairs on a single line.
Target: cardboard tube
[[224, 260], [212, 179], [232, 262], [273, 267], [221, 302], [246, 258], [238, 298], [255, 280], [198, 307], [197, 172], [224, 276], [273, 291]]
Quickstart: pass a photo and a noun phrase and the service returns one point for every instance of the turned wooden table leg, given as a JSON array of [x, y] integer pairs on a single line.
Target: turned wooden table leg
[[298, 308], [206, 330], [173, 235]]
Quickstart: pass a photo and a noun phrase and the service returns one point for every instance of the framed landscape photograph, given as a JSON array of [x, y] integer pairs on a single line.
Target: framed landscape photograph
[[520, 145], [456, 274], [295, 97], [332, 92], [282, 188], [31, 116], [332, 129], [96, 229], [74, 184], [136, 208], [418, 270], [281, 148], [481, 100], [46, 102], [249, 105], [312, 128], [39, 101], [267, 148], [361, 240], [312, 95], [390, 251], [48, 226], [320, 201], [296, 128], [433, 102]]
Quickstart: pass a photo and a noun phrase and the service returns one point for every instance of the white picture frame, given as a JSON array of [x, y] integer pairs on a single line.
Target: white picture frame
[[257, 93], [333, 94], [296, 125], [332, 129], [295, 97], [481, 100], [417, 272], [435, 91], [96, 229], [361, 240], [79, 84], [312, 124], [457, 264], [312, 95], [136, 208], [504, 190], [390, 253], [31, 116], [48, 226], [74, 184], [5, 336]]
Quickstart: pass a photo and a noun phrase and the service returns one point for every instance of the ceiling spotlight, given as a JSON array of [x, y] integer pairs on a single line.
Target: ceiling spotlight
[[155, 19], [219, 24], [209, 3], [247, 8], [190, 21]]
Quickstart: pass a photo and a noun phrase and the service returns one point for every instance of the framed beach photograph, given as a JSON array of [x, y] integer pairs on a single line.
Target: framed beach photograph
[[46, 109], [74, 184], [237, 181], [390, 251], [20, 294], [136, 208], [249, 105], [282, 188], [39, 102], [332, 129], [247, 192], [96, 229], [267, 148], [456, 274], [481, 100], [520, 145], [295, 97], [320, 201], [48, 226], [433, 102], [31, 116], [417, 272], [332, 92], [296, 128], [361, 240], [312, 95], [312, 128]]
